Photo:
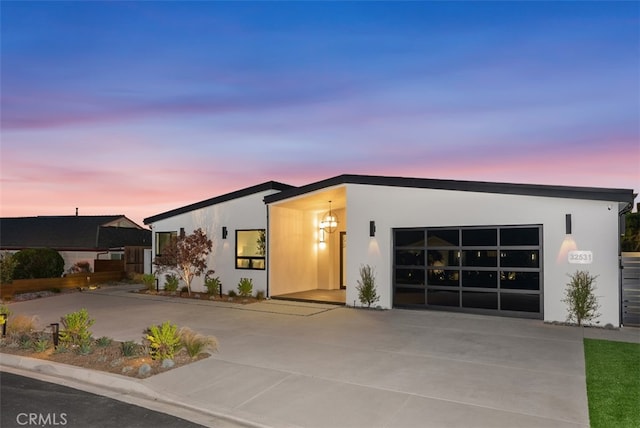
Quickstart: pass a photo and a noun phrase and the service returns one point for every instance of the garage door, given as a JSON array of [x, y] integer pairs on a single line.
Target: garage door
[[496, 270]]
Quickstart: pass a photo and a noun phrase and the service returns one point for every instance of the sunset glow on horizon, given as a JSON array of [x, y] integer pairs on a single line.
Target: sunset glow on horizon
[[136, 108]]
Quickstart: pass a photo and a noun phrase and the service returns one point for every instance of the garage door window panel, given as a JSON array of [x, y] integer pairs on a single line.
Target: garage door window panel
[[410, 238], [511, 280], [480, 258], [480, 279], [520, 302], [409, 276], [443, 298], [410, 257], [479, 300], [409, 296], [520, 258]]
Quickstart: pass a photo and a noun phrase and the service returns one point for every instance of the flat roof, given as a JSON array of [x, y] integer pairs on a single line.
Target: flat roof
[[569, 192]]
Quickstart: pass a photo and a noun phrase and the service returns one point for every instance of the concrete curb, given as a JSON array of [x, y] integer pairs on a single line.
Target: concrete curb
[[115, 386]]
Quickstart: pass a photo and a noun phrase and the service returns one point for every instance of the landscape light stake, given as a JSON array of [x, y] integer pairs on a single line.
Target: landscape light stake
[[3, 320], [55, 333], [157, 285]]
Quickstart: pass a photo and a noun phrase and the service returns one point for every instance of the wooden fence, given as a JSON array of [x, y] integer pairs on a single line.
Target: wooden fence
[[70, 281], [134, 259], [108, 265]]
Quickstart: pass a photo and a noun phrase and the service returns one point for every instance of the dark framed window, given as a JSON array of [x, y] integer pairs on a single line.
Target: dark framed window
[[251, 249], [163, 239]]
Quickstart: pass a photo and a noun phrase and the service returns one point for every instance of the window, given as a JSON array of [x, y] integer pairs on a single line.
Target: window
[[251, 249], [163, 239]]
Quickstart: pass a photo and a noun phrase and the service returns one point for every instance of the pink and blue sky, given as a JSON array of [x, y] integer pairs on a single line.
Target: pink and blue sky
[[136, 108]]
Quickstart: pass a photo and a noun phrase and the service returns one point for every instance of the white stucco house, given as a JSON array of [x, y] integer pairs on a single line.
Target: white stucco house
[[478, 247]]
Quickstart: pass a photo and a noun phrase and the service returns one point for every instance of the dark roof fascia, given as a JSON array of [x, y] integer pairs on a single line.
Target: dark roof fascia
[[70, 249], [269, 185], [569, 192]]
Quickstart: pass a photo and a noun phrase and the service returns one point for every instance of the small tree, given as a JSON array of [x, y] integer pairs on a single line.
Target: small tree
[[186, 256], [580, 298], [367, 286]]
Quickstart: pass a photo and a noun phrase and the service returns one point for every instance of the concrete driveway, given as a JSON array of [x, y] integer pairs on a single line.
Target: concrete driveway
[[295, 364]]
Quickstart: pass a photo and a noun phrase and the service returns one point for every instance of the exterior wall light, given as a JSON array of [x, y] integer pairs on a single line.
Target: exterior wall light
[[568, 224], [322, 237], [224, 232], [372, 228]]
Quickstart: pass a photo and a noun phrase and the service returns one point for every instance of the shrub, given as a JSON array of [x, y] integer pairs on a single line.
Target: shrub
[[164, 340], [213, 284], [184, 289], [196, 343], [21, 324], [4, 309], [245, 287], [367, 286], [103, 341], [7, 267], [260, 295], [171, 282], [61, 349], [25, 341], [75, 332], [40, 344], [38, 263], [580, 298], [84, 348], [129, 348], [232, 293], [149, 280], [80, 267]]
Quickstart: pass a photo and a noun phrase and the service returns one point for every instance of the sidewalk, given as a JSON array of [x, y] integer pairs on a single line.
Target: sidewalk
[[291, 364]]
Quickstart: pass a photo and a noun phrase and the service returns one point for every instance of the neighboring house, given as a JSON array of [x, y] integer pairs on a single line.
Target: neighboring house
[[492, 248], [76, 238]]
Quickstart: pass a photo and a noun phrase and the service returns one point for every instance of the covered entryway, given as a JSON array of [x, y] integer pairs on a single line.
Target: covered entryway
[[306, 257]]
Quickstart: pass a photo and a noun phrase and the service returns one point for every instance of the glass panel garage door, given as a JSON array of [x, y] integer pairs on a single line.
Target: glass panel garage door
[[471, 269]]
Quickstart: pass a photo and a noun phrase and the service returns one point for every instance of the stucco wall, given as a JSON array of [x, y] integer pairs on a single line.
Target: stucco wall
[[247, 212], [595, 228]]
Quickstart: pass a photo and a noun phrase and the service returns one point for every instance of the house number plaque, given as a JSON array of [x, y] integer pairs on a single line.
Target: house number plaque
[[580, 257]]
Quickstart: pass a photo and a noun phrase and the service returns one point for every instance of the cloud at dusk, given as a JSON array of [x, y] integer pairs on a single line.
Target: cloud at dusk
[[139, 107]]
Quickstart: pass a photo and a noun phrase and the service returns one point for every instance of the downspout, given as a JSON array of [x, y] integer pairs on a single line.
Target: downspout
[[101, 253]]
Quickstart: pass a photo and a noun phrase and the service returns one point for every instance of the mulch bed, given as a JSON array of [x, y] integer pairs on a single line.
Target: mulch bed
[[199, 296], [105, 358]]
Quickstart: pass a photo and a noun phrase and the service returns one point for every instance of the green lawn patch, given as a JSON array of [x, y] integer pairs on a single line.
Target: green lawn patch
[[613, 383]]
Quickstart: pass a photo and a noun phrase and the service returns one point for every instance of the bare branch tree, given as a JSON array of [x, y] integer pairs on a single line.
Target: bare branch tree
[[186, 256]]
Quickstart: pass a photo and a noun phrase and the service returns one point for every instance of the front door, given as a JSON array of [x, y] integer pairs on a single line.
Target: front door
[[343, 262]]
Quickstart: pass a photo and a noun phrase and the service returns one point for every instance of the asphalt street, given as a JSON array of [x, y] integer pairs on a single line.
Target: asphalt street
[[26, 402]]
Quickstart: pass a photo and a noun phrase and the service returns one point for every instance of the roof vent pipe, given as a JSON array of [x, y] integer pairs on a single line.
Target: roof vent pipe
[[76, 211]]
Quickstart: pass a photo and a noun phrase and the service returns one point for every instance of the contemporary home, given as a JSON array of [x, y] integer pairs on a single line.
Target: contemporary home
[[77, 238], [477, 247]]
